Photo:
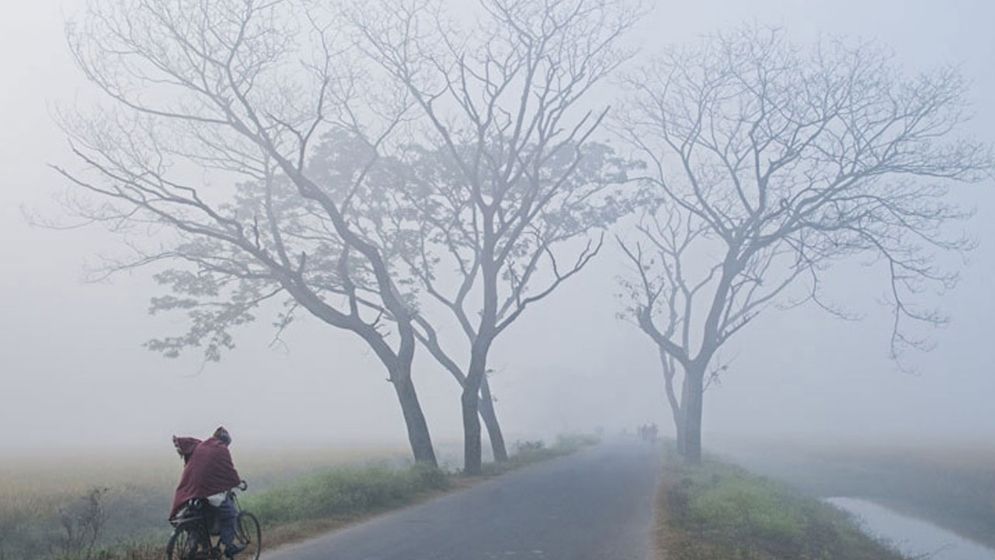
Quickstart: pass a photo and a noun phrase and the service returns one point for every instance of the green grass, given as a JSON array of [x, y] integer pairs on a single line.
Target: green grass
[[718, 510], [345, 492]]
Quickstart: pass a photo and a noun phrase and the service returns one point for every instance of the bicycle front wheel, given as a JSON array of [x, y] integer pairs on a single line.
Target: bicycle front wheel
[[249, 535], [183, 545]]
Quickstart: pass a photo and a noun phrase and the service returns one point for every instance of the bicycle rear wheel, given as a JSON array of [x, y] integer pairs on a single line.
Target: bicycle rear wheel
[[249, 535]]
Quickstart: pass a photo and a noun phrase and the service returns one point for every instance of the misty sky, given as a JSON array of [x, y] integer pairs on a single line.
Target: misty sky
[[73, 372]]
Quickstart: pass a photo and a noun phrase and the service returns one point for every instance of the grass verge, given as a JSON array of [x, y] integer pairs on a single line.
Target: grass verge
[[718, 510]]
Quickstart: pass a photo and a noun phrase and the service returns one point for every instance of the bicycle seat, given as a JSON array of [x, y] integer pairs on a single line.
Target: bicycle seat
[[193, 510]]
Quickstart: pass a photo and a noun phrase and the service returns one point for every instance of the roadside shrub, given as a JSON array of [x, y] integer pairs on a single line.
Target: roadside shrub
[[744, 507], [576, 441], [344, 492], [82, 524], [529, 446]]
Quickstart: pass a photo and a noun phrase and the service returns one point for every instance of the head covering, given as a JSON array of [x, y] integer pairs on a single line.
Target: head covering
[[222, 434]]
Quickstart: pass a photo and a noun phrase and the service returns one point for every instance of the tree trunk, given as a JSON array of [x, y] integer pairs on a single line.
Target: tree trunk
[[679, 421], [414, 419], [475, 375], [489, 416], [693, 405], [471, 431], [676, 406], [679, 427]]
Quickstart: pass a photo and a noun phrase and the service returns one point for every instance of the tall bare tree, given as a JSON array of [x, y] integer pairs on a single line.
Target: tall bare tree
[[201, 91], [769, 163], [395, 215], [510, 184], [450, 233]]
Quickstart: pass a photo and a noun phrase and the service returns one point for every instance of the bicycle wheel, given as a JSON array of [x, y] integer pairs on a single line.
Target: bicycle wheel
[[249, 535], [183, 545]]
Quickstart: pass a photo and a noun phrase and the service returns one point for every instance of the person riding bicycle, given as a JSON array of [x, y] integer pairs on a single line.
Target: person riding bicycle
[[209, 474]]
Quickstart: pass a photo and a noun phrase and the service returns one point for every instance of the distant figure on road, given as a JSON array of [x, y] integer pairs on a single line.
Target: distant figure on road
[[209, 474], [648, 432]]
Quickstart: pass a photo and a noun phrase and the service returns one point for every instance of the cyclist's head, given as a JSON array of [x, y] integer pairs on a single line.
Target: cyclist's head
[[222, 434]]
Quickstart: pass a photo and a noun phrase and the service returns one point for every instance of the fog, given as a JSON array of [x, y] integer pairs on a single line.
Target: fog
[[74, 375]]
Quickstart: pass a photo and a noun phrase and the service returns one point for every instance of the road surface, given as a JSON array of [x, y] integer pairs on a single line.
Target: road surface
[[596, 504]]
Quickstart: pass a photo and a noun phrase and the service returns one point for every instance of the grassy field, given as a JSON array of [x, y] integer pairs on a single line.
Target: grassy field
[[295, 495], [38, 494], [721, 511], [952, 486]]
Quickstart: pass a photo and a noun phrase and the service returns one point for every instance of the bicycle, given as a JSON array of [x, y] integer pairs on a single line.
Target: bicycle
[[196, 531]]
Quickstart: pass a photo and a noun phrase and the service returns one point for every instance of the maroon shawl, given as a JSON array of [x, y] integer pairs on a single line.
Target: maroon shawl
[[208, 470]]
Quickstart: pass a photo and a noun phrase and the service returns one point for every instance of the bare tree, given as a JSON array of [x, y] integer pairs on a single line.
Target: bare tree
[[511, 182], [395, 216], [450, 232], [204, 91], [768, 163]]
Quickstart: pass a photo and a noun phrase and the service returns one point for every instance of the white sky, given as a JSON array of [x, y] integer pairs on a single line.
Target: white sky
[[73, 372]]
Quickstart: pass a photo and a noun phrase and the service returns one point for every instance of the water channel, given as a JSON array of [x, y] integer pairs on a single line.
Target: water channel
[[911, 536]]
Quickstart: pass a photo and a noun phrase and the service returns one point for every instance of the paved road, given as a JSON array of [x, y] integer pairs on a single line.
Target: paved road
[[594, 505]]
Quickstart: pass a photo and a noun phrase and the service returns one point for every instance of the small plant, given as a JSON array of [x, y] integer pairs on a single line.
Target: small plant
[[573, 442], [529, 446], [82, 523]]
